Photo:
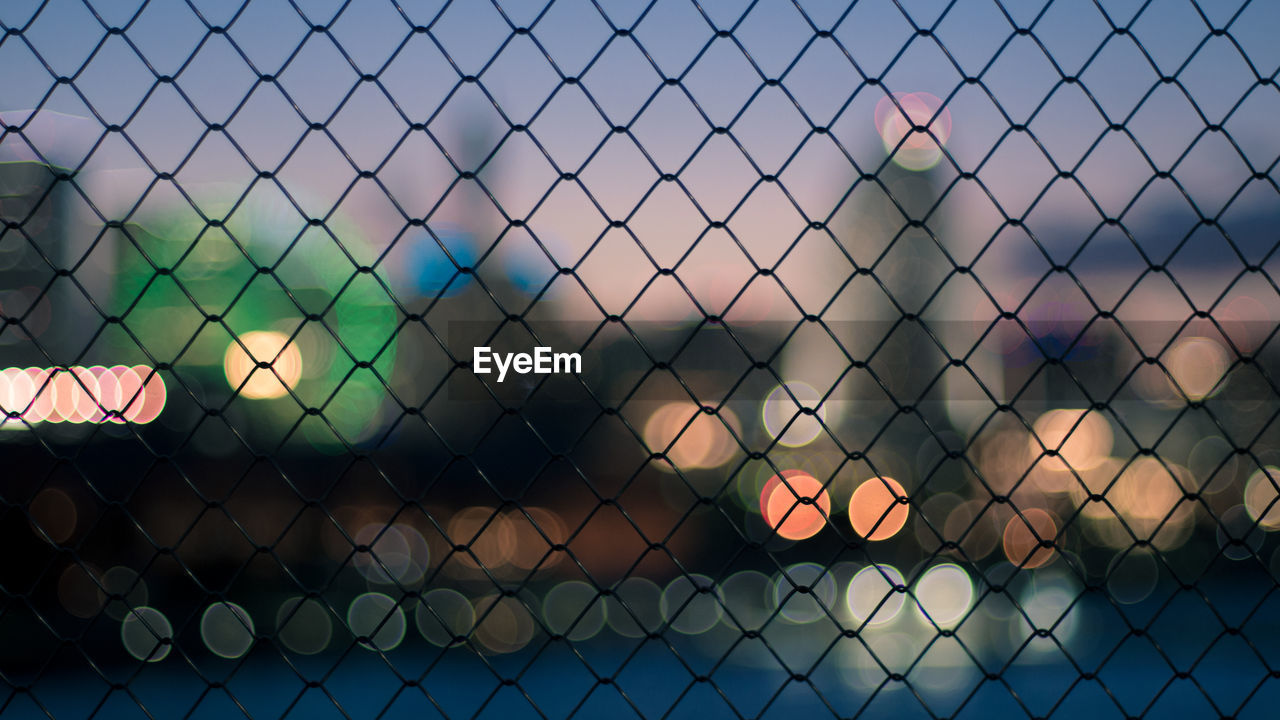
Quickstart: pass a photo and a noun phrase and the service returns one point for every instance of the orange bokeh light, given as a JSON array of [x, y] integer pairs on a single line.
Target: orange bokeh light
[[1023, 535], [488, 534], [797, 508], [690, 437], [876, 509], [251, 381]]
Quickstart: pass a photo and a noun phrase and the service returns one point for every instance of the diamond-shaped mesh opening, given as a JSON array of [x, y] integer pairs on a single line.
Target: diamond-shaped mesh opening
[[668, 359]]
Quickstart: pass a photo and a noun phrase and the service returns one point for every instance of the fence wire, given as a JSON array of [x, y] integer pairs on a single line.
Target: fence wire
[[882, 359]]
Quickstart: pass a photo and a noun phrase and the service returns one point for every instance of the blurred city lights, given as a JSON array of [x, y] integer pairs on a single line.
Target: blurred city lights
[[303, 625], [488, 535], [1196, 366], [1150, 495], [227, 630], [1052, 608], [241, 365], [877, 509], [79, 591], [503, 624], [146, 634], [129, 589], [634, 608], [944, 595], [396, 554], [700, 439], [977, 527], [535, 531], [1024, 535], [813, 603], [1132, 575], [792, 415], [431, 262], [574, 609], [377, 618], [1239, 536], [873, 597], [748, 599], [1262, 497], [52, 514], [691, 604], [795, 504], [79, 394], [443, 616], [912, 128], [1081, 439]]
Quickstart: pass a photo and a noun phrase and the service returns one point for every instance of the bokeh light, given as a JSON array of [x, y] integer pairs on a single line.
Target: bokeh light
[[395, 554], [877, 510], [488, 535], [227, 630], [432, 270], [303, 625], [144, 402], [52, 515], [700, 439], [127, 589], [79, 591], [1196, 365], [575, 610], [792, 415], [1003, 458], [897, 118], [1095, 482], [1239, 536], [1262, 497], [748, 600], [691, 604], [1132, 575], [976, 526], [444, 617], [1213, 462], [78, 394], [1150, 495], [1023, 535], [944, 595], [813, 603], [74, 394], [795, 504], [634, 609], [1048, 607], [503, 624], [873, 597], [240, 365], [147, 634], [1082, 440], [377, 618], [535, 531]]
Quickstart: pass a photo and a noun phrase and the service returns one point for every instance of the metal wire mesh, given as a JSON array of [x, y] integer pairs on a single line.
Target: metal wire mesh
[[924, 359]]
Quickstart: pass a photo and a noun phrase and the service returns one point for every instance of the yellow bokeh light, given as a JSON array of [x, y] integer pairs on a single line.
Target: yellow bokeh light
[[1081, 439], [263, 347], [1196, 365]]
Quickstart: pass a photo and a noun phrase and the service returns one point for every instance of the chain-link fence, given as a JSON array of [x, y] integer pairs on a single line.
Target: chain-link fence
[[599, 358]]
